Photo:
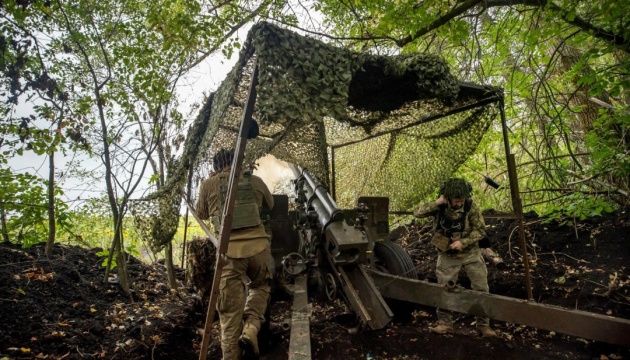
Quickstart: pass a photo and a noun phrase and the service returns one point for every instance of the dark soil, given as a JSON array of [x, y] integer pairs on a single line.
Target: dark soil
[[61, 308]]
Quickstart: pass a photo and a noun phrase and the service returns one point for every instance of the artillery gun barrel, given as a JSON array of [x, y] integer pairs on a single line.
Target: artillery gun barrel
[[320, 199]]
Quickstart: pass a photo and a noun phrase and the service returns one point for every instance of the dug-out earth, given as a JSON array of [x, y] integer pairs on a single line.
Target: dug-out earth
[[61, 307]]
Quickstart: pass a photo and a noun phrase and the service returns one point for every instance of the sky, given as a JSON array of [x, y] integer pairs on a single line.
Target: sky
[[206, 77], [199, 81], [203, 79]]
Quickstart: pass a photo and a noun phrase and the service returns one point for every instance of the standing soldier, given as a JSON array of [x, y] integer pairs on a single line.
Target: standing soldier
[[458, 228], [248, 254]]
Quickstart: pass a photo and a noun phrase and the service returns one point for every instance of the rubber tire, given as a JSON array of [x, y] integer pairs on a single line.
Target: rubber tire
[[395, 259], [396, 262]]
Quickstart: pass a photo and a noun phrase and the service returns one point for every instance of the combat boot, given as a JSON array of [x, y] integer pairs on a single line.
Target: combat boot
[[249, 342], [441, 328], [486, 331]]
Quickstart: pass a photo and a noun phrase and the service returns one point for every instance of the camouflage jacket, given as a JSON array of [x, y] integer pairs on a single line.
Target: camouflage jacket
[[473, 231]]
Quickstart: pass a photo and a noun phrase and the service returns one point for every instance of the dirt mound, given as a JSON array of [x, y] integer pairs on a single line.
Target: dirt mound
[[60, 307], [581, 267]]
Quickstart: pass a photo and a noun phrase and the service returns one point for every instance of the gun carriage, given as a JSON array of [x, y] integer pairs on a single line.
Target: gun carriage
[[334, 248], [329, 251]]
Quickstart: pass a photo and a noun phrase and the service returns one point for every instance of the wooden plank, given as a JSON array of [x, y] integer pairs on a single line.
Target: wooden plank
[[548, 317], [203, 225], [300, 341]]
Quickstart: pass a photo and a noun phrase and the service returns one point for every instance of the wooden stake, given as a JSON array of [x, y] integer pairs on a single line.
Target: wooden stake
[[226, 223]]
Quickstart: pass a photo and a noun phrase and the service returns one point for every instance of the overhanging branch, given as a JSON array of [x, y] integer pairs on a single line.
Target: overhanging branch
[[458, 10], [566, 15]]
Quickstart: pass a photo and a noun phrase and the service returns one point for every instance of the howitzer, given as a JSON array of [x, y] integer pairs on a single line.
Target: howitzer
[[334, 251], [336, 247]]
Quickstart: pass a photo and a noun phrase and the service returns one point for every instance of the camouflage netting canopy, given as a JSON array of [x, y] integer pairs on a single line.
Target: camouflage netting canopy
[[392, 126]]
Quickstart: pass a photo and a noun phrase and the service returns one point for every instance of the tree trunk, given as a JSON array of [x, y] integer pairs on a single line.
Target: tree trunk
[[585, 119], [3, 219], [51, 205], [172, 281], [123, 274]]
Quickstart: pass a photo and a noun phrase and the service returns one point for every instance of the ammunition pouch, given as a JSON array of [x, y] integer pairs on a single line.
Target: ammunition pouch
[[440, 241]]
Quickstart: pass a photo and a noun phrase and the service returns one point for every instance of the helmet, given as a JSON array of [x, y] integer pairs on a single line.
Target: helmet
[[222, 159], [456, 188]]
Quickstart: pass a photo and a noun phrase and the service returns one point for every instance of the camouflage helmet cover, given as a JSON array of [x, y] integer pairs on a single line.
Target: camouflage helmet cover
[[456, 188]]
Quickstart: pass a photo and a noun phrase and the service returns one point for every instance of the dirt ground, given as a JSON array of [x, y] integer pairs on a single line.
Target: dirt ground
[[61, 308]]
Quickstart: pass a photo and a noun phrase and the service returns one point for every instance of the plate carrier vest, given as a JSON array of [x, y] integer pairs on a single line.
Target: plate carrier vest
[[246, 213]]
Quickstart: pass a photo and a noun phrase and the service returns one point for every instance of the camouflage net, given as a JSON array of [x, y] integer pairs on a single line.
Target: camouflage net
[[201, 261], [156, 220], [394, 126]]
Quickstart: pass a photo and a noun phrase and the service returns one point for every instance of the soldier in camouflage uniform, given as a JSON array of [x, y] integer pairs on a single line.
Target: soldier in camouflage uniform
[[457, 229], [248, 256]]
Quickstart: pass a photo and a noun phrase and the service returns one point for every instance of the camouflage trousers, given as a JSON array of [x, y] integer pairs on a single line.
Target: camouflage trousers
[[237, 304], [447, 269]]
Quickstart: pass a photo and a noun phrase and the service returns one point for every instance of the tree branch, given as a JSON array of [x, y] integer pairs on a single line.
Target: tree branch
[[607, 36], [566, 15], [462, 8]]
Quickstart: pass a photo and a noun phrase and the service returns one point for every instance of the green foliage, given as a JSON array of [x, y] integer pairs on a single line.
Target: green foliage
[[104, 255], [115, 64], [564, 67], [24, 202], [92, 226], [577, 207], [608, 153]]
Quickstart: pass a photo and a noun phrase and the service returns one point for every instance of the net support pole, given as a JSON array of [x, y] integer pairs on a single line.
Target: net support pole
[[226, 223], [516, 199], [333, 183], [189, 186]]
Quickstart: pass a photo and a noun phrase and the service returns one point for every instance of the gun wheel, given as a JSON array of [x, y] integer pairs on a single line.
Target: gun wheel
[[331, 286], [391, 258]]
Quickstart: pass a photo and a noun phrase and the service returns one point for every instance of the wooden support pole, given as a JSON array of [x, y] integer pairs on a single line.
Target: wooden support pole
[[516, 199], [226, 223], [188, 189]]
